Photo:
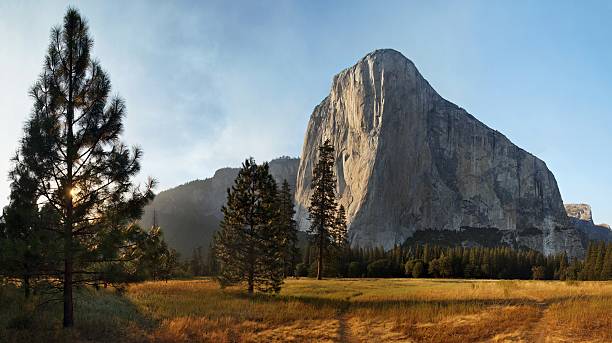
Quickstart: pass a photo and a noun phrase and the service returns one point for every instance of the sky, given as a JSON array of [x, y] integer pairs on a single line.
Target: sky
[[209, 83]]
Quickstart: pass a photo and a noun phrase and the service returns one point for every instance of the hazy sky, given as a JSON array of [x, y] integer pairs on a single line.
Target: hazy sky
[[210, 83]]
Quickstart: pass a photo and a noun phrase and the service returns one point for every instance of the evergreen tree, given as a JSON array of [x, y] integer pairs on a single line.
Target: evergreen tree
[[197, 262], [288, 229], [26, 244], [212, 267], [157, 260], [599, 261], [340, 228], [322, 209], [72, 150], [247, 245], [606, 270]]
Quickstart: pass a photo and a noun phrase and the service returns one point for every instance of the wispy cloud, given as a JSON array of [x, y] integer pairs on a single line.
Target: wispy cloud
[[210, 83]]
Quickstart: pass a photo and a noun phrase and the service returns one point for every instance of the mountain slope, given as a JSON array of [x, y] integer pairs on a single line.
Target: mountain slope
[[581, 217], [189, 214], [408, 160]]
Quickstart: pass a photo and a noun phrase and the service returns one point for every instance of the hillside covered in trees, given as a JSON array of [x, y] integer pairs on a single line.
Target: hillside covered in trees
[[190, 214]]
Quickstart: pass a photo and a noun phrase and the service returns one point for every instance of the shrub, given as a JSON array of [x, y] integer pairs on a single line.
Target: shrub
[[538, 272], [418, 269], [378, 268], [301, 269], [355, 269], [22, 321]]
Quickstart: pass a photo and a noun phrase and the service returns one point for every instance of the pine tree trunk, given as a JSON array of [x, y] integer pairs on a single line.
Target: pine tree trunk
[[250, 289], [68, 307], [70, 153], [251, 276], [320, 259], [26, 285]]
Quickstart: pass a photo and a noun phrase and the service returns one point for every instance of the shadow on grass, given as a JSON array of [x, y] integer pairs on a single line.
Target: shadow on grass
[[342, 305], [100, 316]]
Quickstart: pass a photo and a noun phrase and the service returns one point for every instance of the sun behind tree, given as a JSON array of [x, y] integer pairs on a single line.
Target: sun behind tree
[[72, 149]]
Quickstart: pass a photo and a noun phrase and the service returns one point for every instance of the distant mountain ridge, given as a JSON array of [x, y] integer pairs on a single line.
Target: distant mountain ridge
[[189, 214], [581, 216]]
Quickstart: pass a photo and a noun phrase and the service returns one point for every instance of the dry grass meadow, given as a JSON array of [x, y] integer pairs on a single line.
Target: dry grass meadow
[[336, 310]]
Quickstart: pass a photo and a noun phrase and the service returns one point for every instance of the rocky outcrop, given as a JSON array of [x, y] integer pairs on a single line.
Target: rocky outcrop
[[189, 214], [581, 218], [408, 160]]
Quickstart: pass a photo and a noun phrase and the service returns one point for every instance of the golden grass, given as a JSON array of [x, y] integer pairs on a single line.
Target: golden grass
[[335, 310]]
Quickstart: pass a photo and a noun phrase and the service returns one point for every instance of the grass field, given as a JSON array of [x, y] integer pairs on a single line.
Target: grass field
[[336, 310]]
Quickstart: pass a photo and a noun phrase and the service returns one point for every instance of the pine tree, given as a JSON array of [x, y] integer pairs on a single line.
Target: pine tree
[[599, 261], [340, 232], [606, 270], [589, 264], [322, 209], [72, 149], [156, 260], [247, 245], [26, 244], [212, 267], [197, 262], [288, 229]]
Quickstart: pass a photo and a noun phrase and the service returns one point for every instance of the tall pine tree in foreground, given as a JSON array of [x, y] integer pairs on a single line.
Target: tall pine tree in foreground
[[324, 231], [72, 149], [288, 229], [248, 243]]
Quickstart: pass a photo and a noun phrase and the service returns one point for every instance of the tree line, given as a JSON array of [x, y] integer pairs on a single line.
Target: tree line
[[431, 261], [254, 234]]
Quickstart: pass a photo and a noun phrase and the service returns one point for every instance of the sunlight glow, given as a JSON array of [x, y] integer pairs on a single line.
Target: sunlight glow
[[74, 191]]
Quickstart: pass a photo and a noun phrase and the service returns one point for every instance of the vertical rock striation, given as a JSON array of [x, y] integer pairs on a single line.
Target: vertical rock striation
[[407, 160]]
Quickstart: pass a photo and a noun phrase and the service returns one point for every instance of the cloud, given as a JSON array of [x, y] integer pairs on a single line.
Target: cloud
[[208, 84]]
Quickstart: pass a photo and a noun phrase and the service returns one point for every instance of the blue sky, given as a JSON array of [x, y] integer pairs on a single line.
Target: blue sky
[[210, 83]]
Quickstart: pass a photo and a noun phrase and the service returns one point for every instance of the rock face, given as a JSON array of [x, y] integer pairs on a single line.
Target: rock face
[[407, 160], [581, 217], [189, 214]]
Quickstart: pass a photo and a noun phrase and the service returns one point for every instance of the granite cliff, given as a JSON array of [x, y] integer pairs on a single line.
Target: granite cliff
[[581, 218], [409, 161]]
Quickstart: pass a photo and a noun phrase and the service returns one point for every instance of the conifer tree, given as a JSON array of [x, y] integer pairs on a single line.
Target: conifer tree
[[72, 149], [212, 267], [322, 209], [340, 233], [247, 245], [599, 261], [288, 229], [157, 260], [196, 264], [26, 244], [606, 271]]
